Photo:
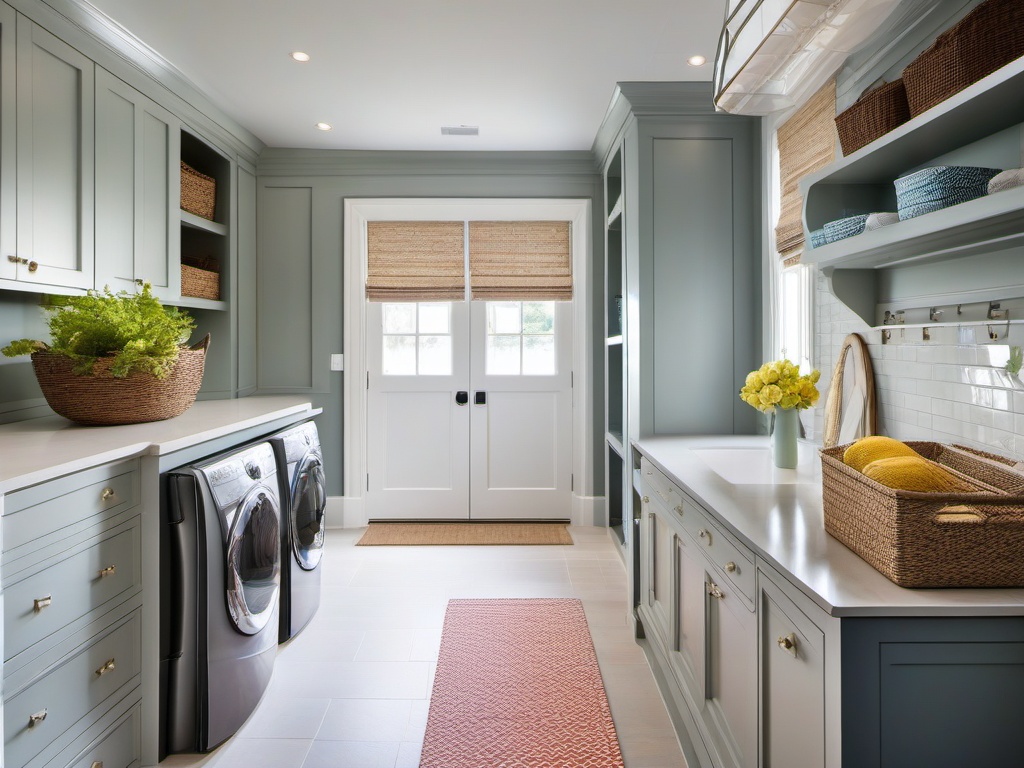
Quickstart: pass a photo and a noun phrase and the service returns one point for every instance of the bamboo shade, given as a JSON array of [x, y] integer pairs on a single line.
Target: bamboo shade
[[520, 260], [807, 143], [415, 261]]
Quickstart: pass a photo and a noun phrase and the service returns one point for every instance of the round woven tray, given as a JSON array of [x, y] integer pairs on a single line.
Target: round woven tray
[[100, 399]]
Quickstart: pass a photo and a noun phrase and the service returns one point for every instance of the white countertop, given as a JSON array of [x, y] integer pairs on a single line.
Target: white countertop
[[40, 449], [778, 514]]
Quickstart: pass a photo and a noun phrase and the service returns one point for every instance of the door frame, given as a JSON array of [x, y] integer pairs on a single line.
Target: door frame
[[586, 509]]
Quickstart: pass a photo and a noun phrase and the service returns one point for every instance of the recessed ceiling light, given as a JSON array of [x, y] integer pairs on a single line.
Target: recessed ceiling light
[[324, 126], [696, 61], [299, 55]]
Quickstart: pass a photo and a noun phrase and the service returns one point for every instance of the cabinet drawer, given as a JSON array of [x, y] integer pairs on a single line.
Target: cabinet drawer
[[60, 701], [119, 748], [57, 505], [71, 588], [733, 560], [660, 487]]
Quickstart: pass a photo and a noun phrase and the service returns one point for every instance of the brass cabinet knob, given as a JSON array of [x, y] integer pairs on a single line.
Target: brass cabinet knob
[[32, 265], [110, 570], [108, 666], [37, 718], [706, 535], [96, 764], [714, 590], [108, 493], [646, 499], [788, 643], [679, 508], [730, 567], [41, 602]]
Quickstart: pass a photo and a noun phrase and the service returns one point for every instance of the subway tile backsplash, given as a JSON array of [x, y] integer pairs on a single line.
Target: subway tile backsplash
[[950, 388]]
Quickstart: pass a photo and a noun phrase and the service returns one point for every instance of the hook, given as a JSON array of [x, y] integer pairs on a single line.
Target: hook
[[935, 314], [995, 313]]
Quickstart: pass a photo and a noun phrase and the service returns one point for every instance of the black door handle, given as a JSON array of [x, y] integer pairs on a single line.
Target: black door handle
[[461, 397], [480, 398]]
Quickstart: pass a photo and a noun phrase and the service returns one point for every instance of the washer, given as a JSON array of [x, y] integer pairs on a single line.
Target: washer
[[300, 467], [220, 586]]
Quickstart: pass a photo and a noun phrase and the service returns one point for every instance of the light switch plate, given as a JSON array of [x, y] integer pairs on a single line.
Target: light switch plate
[[337, 362]]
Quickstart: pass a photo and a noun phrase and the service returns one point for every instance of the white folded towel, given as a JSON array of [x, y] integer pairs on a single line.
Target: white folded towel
[[878, 220], [1006, 180]]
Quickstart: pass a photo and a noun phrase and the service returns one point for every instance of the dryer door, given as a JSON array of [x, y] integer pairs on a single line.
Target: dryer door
[[309, 498], [254, 561]]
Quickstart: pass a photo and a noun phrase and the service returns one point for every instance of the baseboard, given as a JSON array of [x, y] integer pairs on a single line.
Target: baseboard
[[588, 510], [345, 512]]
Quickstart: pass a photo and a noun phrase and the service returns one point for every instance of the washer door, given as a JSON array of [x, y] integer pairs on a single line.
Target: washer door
[[254, 561], [309, 498]]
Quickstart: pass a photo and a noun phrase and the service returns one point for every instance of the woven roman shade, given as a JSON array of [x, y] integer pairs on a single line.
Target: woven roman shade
[[520, 260], [807, 143], [415, 261]]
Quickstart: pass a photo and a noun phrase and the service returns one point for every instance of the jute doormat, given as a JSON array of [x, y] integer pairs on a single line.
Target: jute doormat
[[419, 534], [518, 684]]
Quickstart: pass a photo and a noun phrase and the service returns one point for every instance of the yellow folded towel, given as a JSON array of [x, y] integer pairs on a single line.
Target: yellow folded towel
[[874, 447], [916, 473]]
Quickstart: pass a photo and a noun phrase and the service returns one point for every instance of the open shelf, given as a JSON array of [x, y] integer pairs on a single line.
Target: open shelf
[[205, 225], [615, 443], [615, 341], [190, 302]]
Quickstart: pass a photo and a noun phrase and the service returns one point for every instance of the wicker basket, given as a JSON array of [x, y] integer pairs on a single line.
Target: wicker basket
[[840, 229], [198, 192], [932, 189], [101, 399], [989, 37], [932, 539], [200, 283], [873, 115]]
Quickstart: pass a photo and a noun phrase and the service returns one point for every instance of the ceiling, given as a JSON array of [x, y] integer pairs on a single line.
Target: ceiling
[[387, 74]]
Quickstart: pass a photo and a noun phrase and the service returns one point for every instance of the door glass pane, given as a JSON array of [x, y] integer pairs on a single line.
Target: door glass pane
[[538, 317], [399, 358], [399, 318], [435, 356], [435, 317], [503, 355], [504, 317], [539, 355]]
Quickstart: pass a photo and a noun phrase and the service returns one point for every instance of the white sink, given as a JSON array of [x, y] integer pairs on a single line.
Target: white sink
[[749, 466]]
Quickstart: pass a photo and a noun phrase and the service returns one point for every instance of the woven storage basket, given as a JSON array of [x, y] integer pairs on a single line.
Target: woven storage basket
[[101, 399], [932, 539], [200, 283], [873, 115], [198, 192], [818, 238], [840, 229], [932, 189], [989, 37]]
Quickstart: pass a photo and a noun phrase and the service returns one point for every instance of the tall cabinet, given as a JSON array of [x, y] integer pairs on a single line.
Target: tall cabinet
[[682, 276]]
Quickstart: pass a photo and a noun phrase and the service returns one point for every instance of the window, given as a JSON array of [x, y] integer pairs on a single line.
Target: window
[[520, 338], [794, 315], [417, 339]]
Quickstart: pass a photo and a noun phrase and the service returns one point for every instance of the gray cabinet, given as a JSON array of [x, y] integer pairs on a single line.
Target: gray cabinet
[[55, 151], [137, 184]]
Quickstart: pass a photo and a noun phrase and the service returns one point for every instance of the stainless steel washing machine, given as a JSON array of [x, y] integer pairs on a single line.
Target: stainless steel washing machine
[[303, 498], [220, 586]]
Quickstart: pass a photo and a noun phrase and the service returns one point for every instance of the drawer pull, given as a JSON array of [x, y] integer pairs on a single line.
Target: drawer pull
[[107, 667], [37, 718], [41, 602], [788, 644], [704, 534], [32, 265], [110, 570], [96, 764], [679, 508], [730, 567], [108, 493], [715, 591], [646, 499]]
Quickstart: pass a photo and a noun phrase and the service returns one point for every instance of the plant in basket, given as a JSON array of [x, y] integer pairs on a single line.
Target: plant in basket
[[777, 387], [116, 358]]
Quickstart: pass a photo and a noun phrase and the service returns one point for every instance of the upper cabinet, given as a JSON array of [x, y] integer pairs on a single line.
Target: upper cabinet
[[47, 173], [137, 150]]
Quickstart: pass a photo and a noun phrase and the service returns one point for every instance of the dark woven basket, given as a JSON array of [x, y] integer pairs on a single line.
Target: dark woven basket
[[989, 37], [198, 192], [873, 115], [932, 539], [102, 400]]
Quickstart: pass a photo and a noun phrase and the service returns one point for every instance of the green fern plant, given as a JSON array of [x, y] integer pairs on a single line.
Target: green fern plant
[[133, 328], [1013, 365]]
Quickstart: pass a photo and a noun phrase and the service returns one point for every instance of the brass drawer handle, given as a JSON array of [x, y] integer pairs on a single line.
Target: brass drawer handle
[[41, 602], [646, 499], [37, 718], [107, 667], [715, 591], [110, 570], [704, 534], [788, 644], [96, 764], [32, 265], [679, 508], [730, 567], [108, 493]]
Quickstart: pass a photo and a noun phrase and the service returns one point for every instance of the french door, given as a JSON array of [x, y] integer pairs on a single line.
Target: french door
[[469, 410]]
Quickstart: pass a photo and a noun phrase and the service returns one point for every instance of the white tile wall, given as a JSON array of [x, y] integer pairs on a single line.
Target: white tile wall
[[940, 389]]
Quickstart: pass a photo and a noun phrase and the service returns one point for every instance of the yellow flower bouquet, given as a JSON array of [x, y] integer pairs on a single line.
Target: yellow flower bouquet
[[779, 385]]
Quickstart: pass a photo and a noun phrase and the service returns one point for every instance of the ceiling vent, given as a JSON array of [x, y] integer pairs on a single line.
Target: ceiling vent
[[460, 130]]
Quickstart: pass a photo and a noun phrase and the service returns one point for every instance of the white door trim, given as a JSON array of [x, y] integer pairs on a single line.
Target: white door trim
[[357, 212]]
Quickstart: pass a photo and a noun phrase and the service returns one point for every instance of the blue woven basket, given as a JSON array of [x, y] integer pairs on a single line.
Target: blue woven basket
[[932, 189], [818, 238], [840, 229]]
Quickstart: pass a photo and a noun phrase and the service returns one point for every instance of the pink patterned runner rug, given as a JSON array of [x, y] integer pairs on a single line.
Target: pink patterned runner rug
[[518, 686]]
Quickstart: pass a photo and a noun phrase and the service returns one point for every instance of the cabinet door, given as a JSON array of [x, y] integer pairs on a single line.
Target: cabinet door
[[792, 651], [8, 143], [658, 567], [731, 688], [55, 153], [136, 182], [688, 658]]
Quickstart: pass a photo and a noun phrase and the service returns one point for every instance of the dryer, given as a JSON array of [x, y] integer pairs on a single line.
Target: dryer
[[220, 587], [303, 499]]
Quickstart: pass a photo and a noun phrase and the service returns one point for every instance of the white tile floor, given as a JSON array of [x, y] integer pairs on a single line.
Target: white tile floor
[[352, 691]]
